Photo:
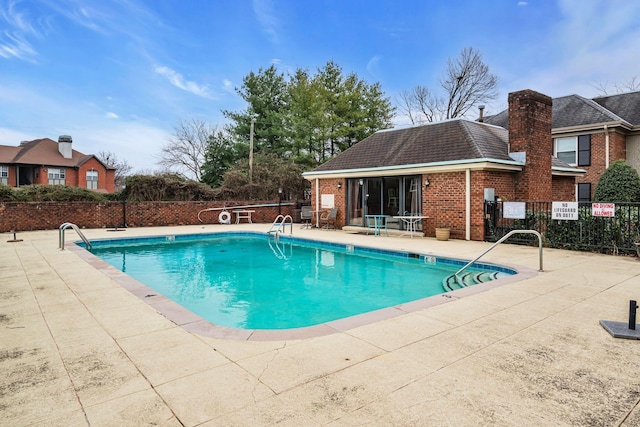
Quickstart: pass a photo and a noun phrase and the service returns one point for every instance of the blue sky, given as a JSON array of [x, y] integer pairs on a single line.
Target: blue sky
[[119, 75]]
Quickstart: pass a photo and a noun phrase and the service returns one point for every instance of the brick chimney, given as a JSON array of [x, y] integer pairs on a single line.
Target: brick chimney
[[530, 135], [64, 146]]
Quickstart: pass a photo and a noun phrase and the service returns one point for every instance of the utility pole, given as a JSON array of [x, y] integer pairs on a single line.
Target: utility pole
[[253, 120]]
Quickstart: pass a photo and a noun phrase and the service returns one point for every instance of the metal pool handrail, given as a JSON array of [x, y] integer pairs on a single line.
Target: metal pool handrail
[[76, 229], [280, 225], [505, 237], [224, 208]]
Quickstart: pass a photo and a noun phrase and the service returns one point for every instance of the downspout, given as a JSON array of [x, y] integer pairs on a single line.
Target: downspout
[[606, 149], [317, 202], [467, 196]]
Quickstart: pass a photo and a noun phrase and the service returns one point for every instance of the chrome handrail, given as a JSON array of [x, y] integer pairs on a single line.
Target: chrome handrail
[[76, 229], [280, 223], [505, 237]]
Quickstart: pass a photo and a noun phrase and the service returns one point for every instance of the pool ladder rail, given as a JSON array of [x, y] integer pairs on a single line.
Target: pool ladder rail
[[76, 229], [455, 281], [280, 225]]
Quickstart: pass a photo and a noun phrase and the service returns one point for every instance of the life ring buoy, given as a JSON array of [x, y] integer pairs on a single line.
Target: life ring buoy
[[224, 217]]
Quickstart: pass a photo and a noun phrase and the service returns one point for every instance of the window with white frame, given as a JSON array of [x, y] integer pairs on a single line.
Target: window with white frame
[[575, 150], [56, 176], [92, 179], [4, 175]]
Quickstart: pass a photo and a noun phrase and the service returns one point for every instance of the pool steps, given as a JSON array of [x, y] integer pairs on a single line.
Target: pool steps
[[454, 281]]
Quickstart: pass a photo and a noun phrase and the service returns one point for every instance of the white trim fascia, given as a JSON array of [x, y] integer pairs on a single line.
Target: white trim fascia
[[559, 171], [424, 168], [576, 130]]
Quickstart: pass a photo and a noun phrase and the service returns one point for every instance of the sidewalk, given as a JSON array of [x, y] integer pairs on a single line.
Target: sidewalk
[[79, 349]]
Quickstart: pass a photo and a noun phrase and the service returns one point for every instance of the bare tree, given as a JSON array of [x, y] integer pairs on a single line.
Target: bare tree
[[186, 148], [123, 169], [632, 85], [467, 82], [419, 105]]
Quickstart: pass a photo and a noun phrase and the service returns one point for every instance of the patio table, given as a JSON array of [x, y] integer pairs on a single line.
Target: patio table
[[379, 222], [243, 214], [411, 221]]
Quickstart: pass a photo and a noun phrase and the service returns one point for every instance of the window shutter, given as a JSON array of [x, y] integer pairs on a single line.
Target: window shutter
[[584, 192], [584, 150]]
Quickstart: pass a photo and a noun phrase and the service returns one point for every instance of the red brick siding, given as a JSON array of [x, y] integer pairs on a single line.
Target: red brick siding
[[443, 202], [41, 176], [12, 178], [105, 177], [73, 177], [617, 151], [503, 184], [330, 186], [15, 216], [564, 188], [530, 132]]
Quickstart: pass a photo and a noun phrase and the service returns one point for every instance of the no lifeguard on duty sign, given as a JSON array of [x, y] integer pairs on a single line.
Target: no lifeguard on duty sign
[[564, 210]]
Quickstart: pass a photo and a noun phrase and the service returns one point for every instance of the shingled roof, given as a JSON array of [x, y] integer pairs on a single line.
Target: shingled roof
[[625, 105], [575, 110], [42, 152], [448, 141]]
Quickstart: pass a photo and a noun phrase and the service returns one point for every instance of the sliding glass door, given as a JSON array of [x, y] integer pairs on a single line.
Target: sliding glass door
[[389, 196]]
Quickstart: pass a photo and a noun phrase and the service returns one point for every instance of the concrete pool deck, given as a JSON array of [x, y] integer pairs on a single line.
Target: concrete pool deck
[[79, 349]]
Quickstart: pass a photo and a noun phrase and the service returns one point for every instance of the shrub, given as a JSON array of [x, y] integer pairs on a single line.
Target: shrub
[[619, 183], [6, 193], [270, 173], [164, 188], [47, 193]]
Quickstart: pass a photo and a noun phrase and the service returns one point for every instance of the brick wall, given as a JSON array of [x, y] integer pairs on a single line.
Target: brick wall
[[443, 202], [19, 216], [73, 177], [503, 184], [330, 186], [105, 177], [530, 132], [564, 188], [617, 151]]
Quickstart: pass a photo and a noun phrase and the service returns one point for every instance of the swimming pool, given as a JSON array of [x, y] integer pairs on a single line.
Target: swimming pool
[[250, 281]]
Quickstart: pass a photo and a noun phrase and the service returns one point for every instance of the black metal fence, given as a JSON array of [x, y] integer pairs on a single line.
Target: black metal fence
[[615, 235]]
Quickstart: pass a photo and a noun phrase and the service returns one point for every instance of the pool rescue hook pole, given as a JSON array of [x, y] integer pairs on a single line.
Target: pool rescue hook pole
[[633, 305]]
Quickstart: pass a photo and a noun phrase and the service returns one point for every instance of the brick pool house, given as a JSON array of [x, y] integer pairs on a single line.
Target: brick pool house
[[447, 170]]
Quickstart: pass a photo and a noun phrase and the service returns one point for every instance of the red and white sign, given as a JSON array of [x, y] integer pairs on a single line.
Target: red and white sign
[[603, 209]]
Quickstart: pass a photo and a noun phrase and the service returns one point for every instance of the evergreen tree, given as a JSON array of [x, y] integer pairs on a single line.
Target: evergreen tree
[[619, 183], [309, 117], [221, 153]]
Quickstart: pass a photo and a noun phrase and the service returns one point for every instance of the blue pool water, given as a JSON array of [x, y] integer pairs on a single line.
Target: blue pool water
[[248, 281]]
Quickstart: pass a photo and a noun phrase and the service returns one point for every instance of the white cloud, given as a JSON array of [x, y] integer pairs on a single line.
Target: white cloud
[[591, 44], [136, 142], [179, 81], [371, 65], [111, 115], [522, 3], [14, 41], [13, 137], [227, 86], [267, 19]]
